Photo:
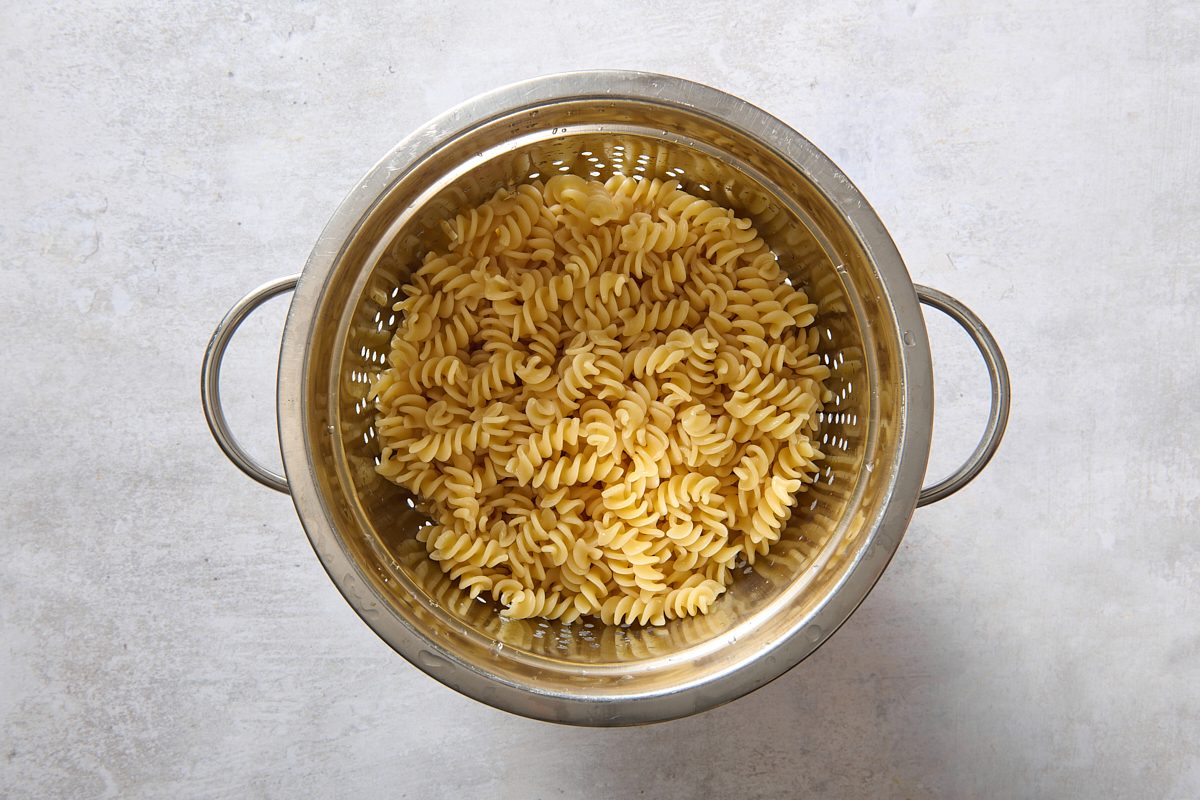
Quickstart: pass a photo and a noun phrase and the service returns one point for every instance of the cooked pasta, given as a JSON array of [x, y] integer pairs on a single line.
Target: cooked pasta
[[605, 395]]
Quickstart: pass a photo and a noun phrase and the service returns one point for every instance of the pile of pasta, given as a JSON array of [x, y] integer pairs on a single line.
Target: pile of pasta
[[605, 395]]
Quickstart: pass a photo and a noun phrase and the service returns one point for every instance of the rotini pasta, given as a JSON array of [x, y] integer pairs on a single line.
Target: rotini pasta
[[605, 395]]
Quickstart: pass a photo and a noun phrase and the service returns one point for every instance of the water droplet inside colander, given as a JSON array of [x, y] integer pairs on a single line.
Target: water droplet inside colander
[[909, 338], [431, 661], [330, 429], [498, 646]]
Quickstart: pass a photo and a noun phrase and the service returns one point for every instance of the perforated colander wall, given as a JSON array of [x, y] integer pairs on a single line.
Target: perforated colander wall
[[821, 527]]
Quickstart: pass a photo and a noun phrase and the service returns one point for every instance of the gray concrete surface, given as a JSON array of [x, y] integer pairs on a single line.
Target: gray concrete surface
[[165, 630]]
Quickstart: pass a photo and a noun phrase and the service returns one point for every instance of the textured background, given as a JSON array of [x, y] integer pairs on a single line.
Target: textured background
[[165, 630]]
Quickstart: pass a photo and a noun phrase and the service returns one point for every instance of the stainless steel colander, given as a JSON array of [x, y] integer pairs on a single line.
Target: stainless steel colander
[[876, 432]]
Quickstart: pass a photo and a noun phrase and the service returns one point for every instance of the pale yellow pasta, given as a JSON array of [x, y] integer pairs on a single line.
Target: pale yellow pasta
[[606, 396]]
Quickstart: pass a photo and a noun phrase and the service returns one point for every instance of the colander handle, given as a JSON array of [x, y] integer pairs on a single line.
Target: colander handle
[[210, 382], [1001, 394]]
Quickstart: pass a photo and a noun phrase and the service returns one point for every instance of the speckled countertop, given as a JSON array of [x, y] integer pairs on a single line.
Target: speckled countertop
[[165, 630]]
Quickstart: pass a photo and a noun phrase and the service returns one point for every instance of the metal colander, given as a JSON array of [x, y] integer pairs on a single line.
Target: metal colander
[[875, 432]]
